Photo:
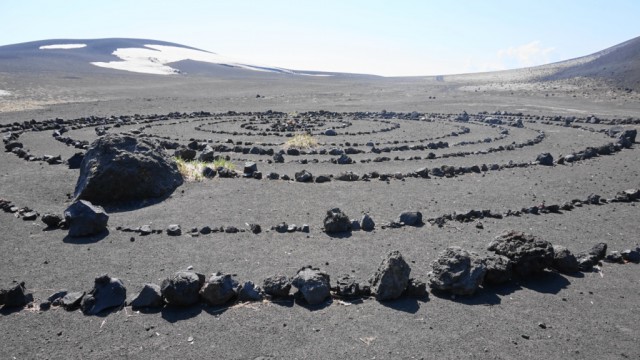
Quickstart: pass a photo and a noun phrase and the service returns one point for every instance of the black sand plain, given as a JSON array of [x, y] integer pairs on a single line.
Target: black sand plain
[[588, 315]]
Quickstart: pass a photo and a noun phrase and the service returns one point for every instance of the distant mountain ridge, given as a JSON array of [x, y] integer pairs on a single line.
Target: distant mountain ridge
[[619, 64], [123, 54]]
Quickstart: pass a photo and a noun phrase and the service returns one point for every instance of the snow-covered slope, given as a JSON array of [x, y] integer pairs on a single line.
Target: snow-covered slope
[[132, 55], [154, 59]]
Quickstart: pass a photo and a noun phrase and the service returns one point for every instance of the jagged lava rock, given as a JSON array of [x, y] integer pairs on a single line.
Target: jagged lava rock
[[15, 296], [219, 289], [529, 254], [312, 284], [499, 269], [85, 219], [183, 288], [391, 278], [457, 271], [149, 297], [277, 286], [348, 287], [107, 293], [564, 261], [248, 291], [367, 223], [336, 222]]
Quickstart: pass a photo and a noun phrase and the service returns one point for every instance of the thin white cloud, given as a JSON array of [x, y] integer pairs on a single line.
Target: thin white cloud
[[530, 54], [513, 57]]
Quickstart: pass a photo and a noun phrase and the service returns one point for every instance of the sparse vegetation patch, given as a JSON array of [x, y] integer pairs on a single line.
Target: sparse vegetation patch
[[301, 141]]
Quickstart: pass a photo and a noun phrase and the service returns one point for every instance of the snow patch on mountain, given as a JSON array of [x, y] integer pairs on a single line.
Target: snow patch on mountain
[[62, 46], [153, 59]]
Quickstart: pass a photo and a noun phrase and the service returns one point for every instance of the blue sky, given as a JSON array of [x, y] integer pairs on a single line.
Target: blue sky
[[376, 37]]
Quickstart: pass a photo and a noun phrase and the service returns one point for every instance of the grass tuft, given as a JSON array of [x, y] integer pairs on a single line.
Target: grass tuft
[[224, 163], [301, 141], [192, 170]]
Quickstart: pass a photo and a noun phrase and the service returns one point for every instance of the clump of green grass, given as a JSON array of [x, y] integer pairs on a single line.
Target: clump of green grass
[[192, 170], [224, 163], [301, 141]]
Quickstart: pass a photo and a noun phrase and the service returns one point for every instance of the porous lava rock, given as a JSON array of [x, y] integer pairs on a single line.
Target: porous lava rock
[[391, 278], [457, 271], [313, 285], [336, 221], [587, 260], [416, 289], [248, 291], [499, 270], [183, 288], [277, 286], [120, 168], [529, 254], [15, 296], [348, 287], [219, 289], [564, 261]]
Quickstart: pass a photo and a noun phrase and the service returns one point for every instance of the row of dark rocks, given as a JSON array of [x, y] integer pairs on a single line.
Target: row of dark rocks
[[94, 121], [344, 159], [12, 145], [101, 130], [390, 126], [188, 288], [507, 116], [461, 130], [626, 196], [516, 256], [188, 153], [624, 140], [85, 219]]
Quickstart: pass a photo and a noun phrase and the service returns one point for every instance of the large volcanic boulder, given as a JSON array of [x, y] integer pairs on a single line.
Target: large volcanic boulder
[[120, 168]]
